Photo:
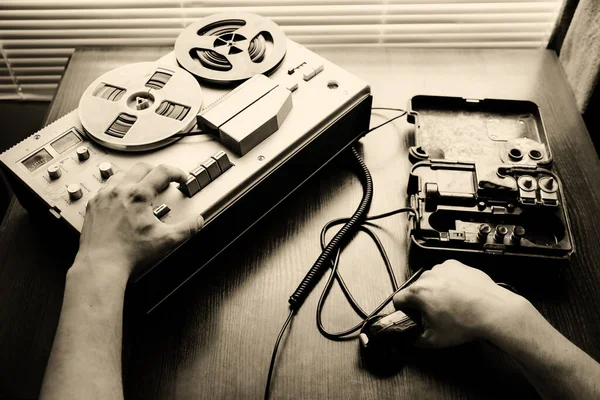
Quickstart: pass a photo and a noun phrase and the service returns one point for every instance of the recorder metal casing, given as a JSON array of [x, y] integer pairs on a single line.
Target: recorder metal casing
[[330, 110]]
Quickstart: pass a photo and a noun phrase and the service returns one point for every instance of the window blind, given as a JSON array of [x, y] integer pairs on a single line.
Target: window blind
[[38, 36]]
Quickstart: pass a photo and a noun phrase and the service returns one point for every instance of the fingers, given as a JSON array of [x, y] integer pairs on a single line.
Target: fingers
[[157, 179], [137, 172], [185, 229], [428, 340], [113, 180], [406, 298]]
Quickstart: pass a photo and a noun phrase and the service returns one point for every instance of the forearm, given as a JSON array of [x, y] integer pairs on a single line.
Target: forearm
[[85, 361], [555, 366]]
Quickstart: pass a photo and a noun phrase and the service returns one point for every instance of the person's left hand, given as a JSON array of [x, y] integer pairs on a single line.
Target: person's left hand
[[120, 230]]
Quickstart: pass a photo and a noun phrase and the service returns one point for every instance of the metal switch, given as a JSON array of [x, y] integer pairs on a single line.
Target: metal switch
[[201, 175], [161, 211], [213, 168], [190, 187], [222, 160]]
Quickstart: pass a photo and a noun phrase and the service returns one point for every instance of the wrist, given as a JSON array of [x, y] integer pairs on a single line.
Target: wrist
[[105, 273], [504, 313]]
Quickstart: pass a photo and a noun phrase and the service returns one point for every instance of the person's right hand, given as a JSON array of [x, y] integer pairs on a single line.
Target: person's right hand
[[120, 230], [458, 304]]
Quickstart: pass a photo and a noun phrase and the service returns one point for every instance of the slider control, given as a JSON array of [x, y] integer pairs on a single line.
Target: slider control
[[161, 211]]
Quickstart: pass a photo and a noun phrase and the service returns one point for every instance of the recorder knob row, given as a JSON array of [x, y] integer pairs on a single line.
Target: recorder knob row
[[105, 168], [501, 231]]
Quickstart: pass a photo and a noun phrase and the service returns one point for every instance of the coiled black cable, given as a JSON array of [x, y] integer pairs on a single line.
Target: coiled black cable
[[335, 274], [341, 237], [318, 269]]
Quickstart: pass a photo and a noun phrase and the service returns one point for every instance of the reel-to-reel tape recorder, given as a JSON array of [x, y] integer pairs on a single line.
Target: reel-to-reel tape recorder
[[249, 113]]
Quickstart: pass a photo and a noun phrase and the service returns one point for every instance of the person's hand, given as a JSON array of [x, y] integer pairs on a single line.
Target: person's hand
[[458, 304], [120, 230]]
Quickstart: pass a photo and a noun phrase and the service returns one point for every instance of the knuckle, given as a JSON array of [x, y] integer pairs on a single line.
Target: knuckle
[[144, 228], [426, 275], [163, 168], [114, 192], [138, 194], [171, 239], [452, 263], [415, 289], [143, 164]]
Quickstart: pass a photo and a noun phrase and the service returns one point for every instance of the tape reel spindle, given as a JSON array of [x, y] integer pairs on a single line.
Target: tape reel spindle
[[140, 106], [229, 48]]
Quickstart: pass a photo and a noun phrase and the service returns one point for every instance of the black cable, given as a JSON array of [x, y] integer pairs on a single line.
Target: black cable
[[389, 109], [357, 308], [403, 113], [344, 335], [318, 269], [339, 240], [274, 355]]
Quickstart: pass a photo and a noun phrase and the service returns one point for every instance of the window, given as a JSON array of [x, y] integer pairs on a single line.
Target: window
[[38, 36]]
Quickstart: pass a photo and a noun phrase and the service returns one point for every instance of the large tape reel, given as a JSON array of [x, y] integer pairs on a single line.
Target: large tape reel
[[231, 47], [140, 106]]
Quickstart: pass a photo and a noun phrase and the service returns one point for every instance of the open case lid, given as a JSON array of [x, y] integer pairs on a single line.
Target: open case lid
[[491, 131]]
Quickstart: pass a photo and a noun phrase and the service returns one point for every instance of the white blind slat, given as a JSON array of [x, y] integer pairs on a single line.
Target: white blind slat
[[289, 31], [37, 37], [20, 71], [32, 79], [38, 61], [14, 53], [158, 23], [120, 4], [327, 10]]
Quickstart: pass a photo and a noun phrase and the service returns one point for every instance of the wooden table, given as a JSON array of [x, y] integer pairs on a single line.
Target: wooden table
[[213, 339]]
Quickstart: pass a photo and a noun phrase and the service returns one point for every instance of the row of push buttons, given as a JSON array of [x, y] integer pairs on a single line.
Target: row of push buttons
[[308, 72], [205, 173]]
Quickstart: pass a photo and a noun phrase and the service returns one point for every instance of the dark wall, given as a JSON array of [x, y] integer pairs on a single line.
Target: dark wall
[[19, 120]]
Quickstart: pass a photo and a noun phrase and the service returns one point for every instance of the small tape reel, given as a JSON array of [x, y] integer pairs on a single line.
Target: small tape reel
[[230, 47], [140, 106]]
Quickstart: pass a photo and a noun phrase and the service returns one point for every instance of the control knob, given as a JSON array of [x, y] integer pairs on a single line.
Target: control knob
[[106, 170], [54, 172], [83, 153], [75, 192], [501, 231]]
